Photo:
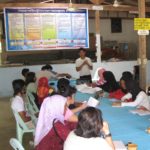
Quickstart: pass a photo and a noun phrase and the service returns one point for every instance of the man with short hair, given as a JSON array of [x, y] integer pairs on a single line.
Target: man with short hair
[[47, 71], [84, 66]]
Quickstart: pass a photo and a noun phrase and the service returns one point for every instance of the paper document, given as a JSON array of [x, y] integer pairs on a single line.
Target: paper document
[[140, 112], [119, 145], [92, 102], [87, 89]]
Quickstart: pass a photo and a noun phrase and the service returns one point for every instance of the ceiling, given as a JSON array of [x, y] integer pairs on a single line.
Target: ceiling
[[105, 2]]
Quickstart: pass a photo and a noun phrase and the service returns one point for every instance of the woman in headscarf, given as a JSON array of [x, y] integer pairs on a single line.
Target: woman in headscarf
[[110, 84], [52, 128], [101, 79], [43, 89], [126, 76], [98, 77], [140, 98]]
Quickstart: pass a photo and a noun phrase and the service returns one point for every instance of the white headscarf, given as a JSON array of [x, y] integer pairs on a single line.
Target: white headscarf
[[98, 76], [52, 108]]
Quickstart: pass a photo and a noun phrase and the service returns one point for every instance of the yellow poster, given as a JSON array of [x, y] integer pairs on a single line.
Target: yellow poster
[[141, 23]]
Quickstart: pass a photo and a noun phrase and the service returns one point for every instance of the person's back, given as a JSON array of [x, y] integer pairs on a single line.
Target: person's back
[[44, 73], [55, 138], [74, 142], [42, 89], [89, 131], [32, 88], [52, 128]]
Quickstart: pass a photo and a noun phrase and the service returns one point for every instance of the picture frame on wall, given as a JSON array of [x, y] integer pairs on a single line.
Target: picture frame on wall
[[116, 25]]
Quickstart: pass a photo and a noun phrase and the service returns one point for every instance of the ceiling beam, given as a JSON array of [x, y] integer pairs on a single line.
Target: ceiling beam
[[131, 2], [66, 5], [97, 2]]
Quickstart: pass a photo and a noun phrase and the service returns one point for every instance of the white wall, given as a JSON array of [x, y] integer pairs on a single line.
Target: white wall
[[127, 35]]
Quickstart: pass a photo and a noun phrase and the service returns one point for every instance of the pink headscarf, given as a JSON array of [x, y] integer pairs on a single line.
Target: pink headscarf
[[52, 108], [101, 80]]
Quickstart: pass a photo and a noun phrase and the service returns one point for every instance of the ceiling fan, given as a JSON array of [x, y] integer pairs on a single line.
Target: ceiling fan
[[114, 3]]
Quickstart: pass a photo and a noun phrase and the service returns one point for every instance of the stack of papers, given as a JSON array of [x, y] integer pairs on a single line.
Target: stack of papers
[[119, 145], [140, 112], [87, 89]]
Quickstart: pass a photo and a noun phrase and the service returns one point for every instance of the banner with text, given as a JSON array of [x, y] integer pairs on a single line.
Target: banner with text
[[45, 29]]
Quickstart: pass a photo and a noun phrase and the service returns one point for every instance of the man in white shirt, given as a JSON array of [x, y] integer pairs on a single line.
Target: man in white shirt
[[83, 66], [46, 72]]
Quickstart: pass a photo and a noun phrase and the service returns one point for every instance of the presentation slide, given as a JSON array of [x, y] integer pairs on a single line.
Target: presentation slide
[[45, 29]]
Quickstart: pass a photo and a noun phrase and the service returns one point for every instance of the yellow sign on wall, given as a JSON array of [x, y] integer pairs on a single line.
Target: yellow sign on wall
[[141, 23]]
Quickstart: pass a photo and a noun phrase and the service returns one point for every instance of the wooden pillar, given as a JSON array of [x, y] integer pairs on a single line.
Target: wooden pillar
[[142, 48], [97, 29]]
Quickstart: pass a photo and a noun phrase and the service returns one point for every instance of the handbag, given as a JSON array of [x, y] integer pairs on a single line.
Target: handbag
[[55, 130]]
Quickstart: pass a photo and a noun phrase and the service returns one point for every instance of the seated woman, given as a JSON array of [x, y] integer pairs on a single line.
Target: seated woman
[[98, 77], [30, 83], [31, 86], [52, 128], [140, 98], [68, 91], [43, 89], [91, 132], [110, 84], [126, 76], [18, 104]]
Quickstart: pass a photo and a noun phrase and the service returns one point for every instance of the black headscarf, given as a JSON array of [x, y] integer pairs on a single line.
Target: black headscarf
[[126, 76], [133, 87], [111, 84]]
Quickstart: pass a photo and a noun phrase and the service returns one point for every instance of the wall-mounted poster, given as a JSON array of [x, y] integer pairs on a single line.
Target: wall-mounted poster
[[45, 29]]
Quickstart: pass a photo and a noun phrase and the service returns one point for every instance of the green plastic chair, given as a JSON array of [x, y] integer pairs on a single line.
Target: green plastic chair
[[21, 127], [16, 145], [32, 107]]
